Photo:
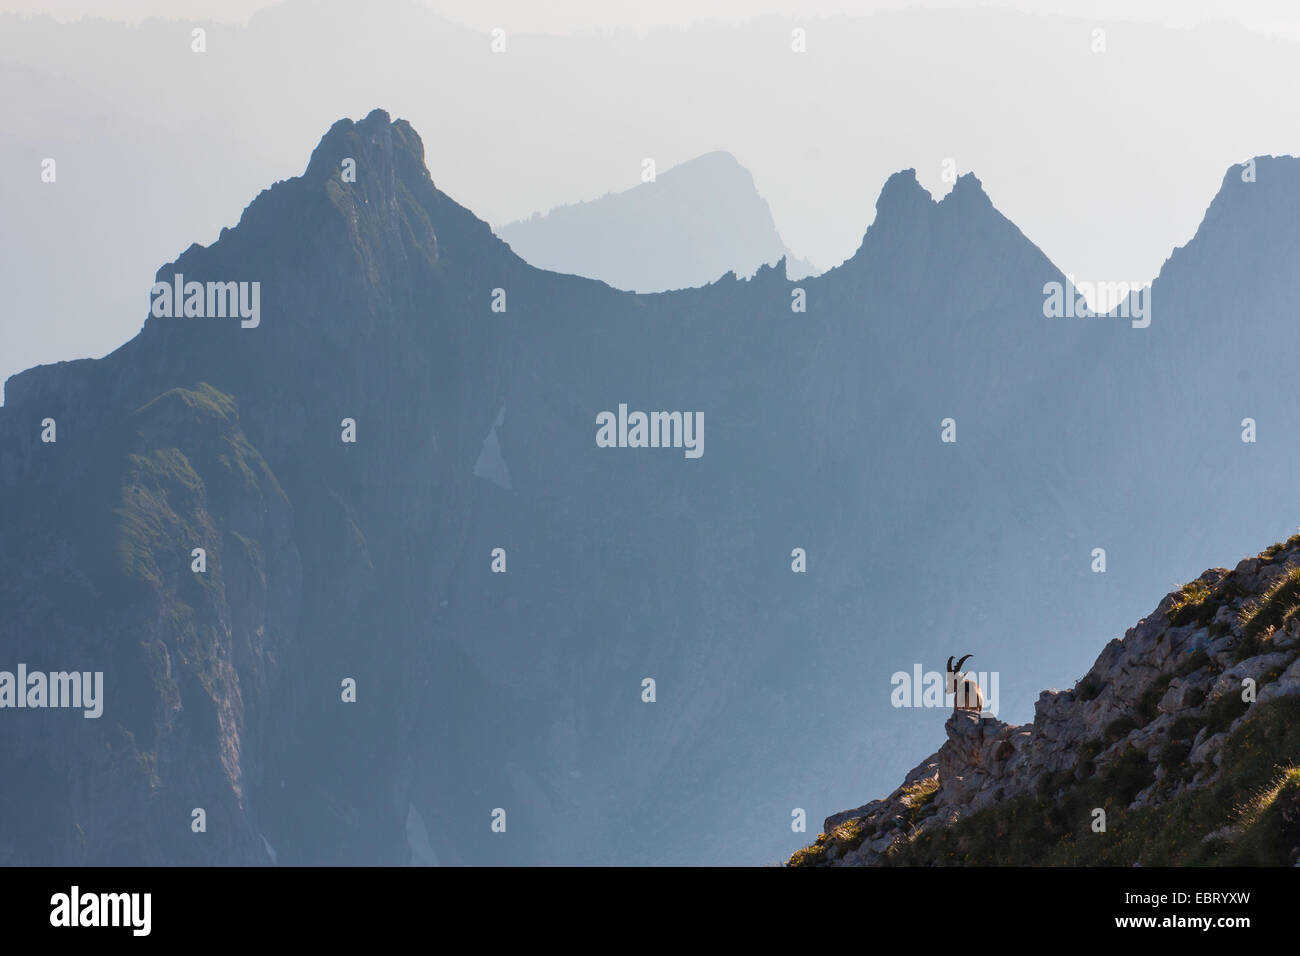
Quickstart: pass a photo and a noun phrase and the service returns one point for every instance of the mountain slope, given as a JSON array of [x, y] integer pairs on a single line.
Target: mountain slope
[[309, 604], [1181, 746]]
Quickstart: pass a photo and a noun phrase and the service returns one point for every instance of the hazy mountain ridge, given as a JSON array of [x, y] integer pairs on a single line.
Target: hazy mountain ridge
[[695, 222], [521, 690], [130, 149]]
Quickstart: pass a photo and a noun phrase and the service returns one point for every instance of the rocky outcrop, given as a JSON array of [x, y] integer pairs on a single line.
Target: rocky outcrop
[[1167, 696]]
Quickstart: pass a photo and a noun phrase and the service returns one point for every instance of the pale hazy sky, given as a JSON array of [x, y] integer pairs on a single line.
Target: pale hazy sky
[[1281, 17]]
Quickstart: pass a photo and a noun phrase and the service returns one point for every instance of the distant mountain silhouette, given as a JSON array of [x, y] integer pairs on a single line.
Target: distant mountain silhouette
[[693, 223], [475, 380], [126, 201]]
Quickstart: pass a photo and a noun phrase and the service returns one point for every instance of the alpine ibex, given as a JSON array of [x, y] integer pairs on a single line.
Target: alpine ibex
[[966, 692]]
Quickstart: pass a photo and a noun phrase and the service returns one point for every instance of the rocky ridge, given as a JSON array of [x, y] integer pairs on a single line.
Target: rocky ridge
[[1214, 670]]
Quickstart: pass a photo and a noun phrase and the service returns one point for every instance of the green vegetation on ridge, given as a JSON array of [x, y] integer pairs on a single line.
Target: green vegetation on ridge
[[1236, 821]]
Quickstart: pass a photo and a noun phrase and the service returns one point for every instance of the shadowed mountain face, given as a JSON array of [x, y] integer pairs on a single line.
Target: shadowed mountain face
[[372, 560], [694, 223]]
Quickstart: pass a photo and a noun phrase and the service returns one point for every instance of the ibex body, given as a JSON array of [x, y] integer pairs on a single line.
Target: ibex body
[[966, 692]]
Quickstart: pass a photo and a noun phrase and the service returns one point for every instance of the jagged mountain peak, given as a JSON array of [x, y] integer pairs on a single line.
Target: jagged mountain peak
[[1250, 229], [366, 199], [687, 226], [337, 270], [373, 172], [968, 190], [919, 235], [902, 192], [711, 162], [1261, 193], [383, 140], [902, 197]]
